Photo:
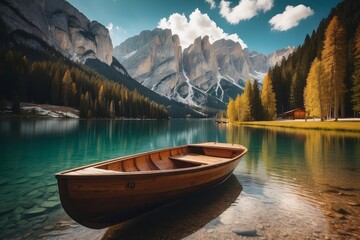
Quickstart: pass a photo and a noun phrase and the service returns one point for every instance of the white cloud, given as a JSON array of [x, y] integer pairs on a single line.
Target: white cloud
[[246, 9], [212, 3], [290, 17], [117, 34], [197, 25]]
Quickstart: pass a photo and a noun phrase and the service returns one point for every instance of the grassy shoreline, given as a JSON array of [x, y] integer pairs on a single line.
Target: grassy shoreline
[[352, 125]]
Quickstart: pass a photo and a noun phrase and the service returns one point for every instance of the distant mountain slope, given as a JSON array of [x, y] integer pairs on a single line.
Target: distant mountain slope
[[196, 75], [174, 108], [43, 28]]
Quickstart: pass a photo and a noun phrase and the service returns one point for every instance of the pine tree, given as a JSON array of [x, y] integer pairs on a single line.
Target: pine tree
[[356, 74], [55, 87], [296, 91], [100, 103], [84, 105], [247, 101], [256, 107], [334, 58], [238, 107], [268, 99]]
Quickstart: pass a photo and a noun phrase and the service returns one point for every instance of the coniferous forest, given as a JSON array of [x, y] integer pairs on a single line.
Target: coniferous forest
[[331, 55], [56, 80], [322, 75]]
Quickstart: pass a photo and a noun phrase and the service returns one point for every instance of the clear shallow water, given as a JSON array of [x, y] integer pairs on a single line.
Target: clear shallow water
[[291, 183]]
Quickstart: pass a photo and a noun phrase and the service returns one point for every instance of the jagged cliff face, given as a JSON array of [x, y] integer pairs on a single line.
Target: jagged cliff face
[[153, 58], [201, 74], [200, 64], [233, 62], [279, 55], [60, 25]]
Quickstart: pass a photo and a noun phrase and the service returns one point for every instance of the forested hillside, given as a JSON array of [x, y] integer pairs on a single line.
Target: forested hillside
[[290, 77], [47, 77]]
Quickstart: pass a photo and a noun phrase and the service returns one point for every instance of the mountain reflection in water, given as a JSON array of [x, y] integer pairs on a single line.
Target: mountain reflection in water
[[292, 184]]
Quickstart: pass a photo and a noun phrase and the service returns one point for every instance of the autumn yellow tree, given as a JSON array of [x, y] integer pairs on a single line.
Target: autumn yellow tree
[[231, 111], [312, 101], [356, 75], [66, 87], [242, 107], [268, 99], [333, 57]]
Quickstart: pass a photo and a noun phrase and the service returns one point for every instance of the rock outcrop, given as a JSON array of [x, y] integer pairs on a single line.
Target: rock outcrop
[[200, 64], [61, 26], [153, 58], [233, 62], [203, 74]]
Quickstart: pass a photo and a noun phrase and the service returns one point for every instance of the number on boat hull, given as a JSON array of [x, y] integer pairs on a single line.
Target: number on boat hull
[[130, 185]]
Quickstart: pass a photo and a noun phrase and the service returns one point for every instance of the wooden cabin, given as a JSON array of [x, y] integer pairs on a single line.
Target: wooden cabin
[[297, 113]]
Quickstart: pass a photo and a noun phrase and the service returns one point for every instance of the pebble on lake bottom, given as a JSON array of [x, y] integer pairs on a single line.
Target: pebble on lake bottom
[[50, 204], [340, 208], [35, 211]]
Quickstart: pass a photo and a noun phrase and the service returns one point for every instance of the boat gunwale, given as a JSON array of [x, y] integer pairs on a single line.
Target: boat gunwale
[[141, 174]]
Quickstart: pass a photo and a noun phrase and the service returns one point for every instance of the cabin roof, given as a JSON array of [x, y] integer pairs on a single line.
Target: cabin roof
[[294, 110]]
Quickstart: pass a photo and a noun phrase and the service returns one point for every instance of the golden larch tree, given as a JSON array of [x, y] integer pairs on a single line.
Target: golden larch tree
[[311, 92], [268, 99], [66, 87], [231, 111], [356, 74], [333, 57]]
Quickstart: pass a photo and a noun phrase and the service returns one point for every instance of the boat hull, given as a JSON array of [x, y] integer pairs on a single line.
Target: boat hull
[[106, 200], [98, 200]]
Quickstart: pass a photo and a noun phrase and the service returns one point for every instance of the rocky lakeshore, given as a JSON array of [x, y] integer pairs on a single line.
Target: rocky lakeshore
[[32, 110]]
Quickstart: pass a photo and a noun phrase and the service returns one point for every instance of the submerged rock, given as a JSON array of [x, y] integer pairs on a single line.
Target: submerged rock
[[6, 208], [27, 204], [34, 194], [50, 204], [339, 208], [52, 189], [246, 232], [354, 204], [260, 226], [22, 180], [3, 182], [54, 198], [35, 211]]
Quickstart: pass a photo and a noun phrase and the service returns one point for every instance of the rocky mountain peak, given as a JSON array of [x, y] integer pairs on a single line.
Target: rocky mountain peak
[[202, 74], [200, 63], [153, 58], [60, 25]]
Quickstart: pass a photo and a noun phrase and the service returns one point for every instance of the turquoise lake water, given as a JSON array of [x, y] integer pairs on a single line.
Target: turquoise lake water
[[291, 184]]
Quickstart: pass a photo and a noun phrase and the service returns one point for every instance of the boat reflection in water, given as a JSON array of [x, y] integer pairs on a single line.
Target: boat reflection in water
[[183, 217]]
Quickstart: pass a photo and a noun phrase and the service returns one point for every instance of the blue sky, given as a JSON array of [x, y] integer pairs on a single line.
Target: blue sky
[[260, 25]]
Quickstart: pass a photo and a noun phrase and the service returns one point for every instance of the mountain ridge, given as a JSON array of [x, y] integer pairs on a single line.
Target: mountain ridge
[[156, 59]]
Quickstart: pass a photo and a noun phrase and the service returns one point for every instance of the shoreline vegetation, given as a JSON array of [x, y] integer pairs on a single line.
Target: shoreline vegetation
[[41, 111], [343, 124]]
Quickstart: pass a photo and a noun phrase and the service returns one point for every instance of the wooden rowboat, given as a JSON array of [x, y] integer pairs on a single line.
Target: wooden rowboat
[[109, 192]]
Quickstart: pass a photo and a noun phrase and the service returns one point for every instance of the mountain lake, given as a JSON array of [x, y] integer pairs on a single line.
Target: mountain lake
[[292, 184]]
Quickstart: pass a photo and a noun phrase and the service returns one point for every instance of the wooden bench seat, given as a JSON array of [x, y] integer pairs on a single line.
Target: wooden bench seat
[[198, 158], [92, 171]]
